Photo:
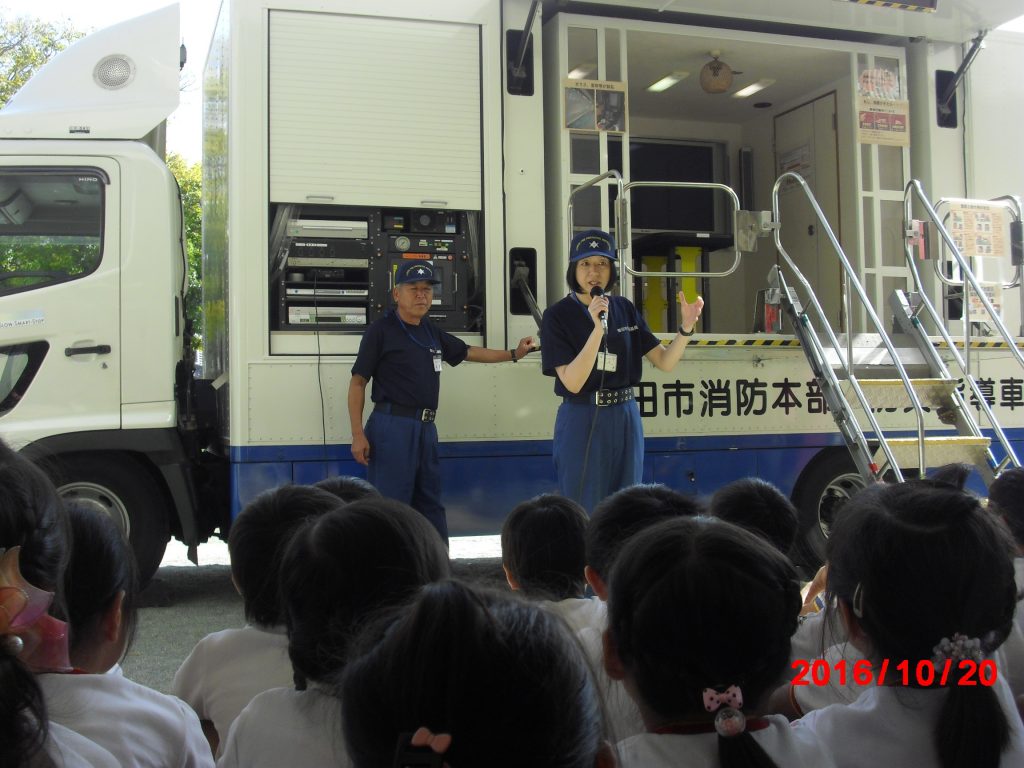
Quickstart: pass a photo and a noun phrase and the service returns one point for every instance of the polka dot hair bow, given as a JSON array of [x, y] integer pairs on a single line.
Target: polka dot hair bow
[[730, 697]]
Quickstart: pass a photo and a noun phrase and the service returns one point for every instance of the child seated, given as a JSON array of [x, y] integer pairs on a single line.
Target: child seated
[[471, 677], [337, 570], [700, 615], [761, 508], [139, 726], [33, 555], [227, 669], [615, 521], [922, 577], [347, 487], [1006, 499], [542, 552]]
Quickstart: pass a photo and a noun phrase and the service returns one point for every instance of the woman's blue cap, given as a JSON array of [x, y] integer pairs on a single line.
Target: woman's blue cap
[[593, 242]]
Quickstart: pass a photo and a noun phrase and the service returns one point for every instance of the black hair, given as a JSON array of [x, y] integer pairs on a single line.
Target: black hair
[[31, 517], [1006, 498], [954, 475], [348, 488], [257, 539], [102, 565], [760, 507], [699, 603], [575, 287], [542, 546], [628, 511], [505, 678], [925, 562], [344, 565]]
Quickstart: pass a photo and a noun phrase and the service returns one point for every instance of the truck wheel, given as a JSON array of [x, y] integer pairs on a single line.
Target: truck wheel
[[824, 486], [120, 486]]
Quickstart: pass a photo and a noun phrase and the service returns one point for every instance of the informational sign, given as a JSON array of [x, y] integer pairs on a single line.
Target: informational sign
[[883, 121], [595, 105], [979, 231]]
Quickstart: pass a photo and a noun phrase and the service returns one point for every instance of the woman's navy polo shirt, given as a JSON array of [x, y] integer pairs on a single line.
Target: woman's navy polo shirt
[[399, 360], [567, 326]]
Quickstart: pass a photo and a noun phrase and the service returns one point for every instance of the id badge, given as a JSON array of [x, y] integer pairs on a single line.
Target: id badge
[[437, 360], [607, 361]]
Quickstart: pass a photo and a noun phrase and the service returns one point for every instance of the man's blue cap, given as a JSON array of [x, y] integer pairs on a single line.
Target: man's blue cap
[[593, 242], [415, 272]]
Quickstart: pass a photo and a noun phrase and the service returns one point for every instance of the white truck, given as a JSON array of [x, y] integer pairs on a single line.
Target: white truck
[[341, 137]]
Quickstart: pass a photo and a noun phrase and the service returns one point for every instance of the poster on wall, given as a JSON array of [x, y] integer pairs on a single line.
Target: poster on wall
[[883, 117], [595, 105], [979, 232]]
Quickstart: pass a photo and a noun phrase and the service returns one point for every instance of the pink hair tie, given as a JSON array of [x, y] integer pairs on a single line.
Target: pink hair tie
[[438, 742], [27, 631], [730, 697], [422, 749]]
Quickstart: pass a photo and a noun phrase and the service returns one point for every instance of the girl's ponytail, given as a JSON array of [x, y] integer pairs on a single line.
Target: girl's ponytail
[[23, 723], [972, 731]]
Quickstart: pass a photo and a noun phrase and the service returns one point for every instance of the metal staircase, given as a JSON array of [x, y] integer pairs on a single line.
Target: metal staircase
[[947, 429]]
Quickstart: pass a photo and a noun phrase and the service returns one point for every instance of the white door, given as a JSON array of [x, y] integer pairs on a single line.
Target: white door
[[59, 297], [805, 142]]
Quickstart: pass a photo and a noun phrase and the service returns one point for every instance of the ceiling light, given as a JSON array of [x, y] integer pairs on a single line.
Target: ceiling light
[[581, 72], [753, 88], [668, 81]]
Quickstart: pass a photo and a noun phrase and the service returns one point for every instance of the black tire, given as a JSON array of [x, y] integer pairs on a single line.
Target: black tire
[[824, 486], [122, 487]]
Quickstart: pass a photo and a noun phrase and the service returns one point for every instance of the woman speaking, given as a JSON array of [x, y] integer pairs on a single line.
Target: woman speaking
[[593, 344]]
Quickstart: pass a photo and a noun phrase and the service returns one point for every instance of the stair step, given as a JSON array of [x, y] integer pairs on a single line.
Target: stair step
[[938, 450], [891, 393]]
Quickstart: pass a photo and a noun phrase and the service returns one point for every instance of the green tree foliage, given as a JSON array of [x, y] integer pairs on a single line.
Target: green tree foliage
[[25, 45], [190, 180]]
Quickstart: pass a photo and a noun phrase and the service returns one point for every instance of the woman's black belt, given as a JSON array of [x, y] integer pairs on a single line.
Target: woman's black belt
[[602, 397], [420, 414]]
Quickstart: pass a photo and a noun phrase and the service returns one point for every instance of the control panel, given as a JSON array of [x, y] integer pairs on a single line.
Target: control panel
[[333, 267]]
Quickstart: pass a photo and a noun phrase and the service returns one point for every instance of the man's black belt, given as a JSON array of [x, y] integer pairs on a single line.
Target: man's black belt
[[602, 397], [408, 412]]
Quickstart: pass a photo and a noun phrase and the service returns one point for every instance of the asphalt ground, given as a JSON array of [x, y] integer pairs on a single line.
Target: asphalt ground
[[184, 603]]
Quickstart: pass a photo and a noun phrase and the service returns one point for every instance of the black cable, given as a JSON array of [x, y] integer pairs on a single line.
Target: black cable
[[319, 376], [593, 419]]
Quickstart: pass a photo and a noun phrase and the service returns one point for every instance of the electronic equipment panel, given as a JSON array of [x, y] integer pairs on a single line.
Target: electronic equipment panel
[[333, 267]]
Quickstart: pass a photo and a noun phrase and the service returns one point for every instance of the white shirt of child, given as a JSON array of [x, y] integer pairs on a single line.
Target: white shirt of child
[[137, 725], [580, 612], [285, 727], [1010, 655], [68, 749], [227, 669], [890, 727], [787, 748]]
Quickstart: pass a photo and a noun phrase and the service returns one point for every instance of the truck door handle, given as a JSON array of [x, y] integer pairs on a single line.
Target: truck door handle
[[99, 349]]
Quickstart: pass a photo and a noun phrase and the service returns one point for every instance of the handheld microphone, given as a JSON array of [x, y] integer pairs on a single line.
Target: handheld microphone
[[594, 293]]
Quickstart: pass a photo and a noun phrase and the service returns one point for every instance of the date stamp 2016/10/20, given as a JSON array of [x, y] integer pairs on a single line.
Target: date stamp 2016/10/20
[[923, 674]]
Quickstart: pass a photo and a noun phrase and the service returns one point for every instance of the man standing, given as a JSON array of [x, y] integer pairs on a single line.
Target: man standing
[[402, 352]]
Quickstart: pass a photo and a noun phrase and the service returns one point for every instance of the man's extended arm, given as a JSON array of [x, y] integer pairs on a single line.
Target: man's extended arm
[[356, 401]]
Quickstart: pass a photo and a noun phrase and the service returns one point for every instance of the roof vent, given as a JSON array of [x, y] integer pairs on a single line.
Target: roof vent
[[113, 72]]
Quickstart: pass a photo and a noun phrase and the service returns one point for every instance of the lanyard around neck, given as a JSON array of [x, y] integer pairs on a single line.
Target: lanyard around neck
[[413, 339]]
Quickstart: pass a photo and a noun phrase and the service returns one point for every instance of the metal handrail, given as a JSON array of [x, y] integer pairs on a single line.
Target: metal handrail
[[1016, 281], [914, 189], [612, 174], [626, 235], [847, 364], [929, 307]]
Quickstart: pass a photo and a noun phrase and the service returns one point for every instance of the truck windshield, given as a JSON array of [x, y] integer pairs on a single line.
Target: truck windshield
[[51, 227]]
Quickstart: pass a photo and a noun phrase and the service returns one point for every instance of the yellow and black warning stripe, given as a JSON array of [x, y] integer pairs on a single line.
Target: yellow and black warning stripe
[[745, 343], [979, 344], [927, 7]]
